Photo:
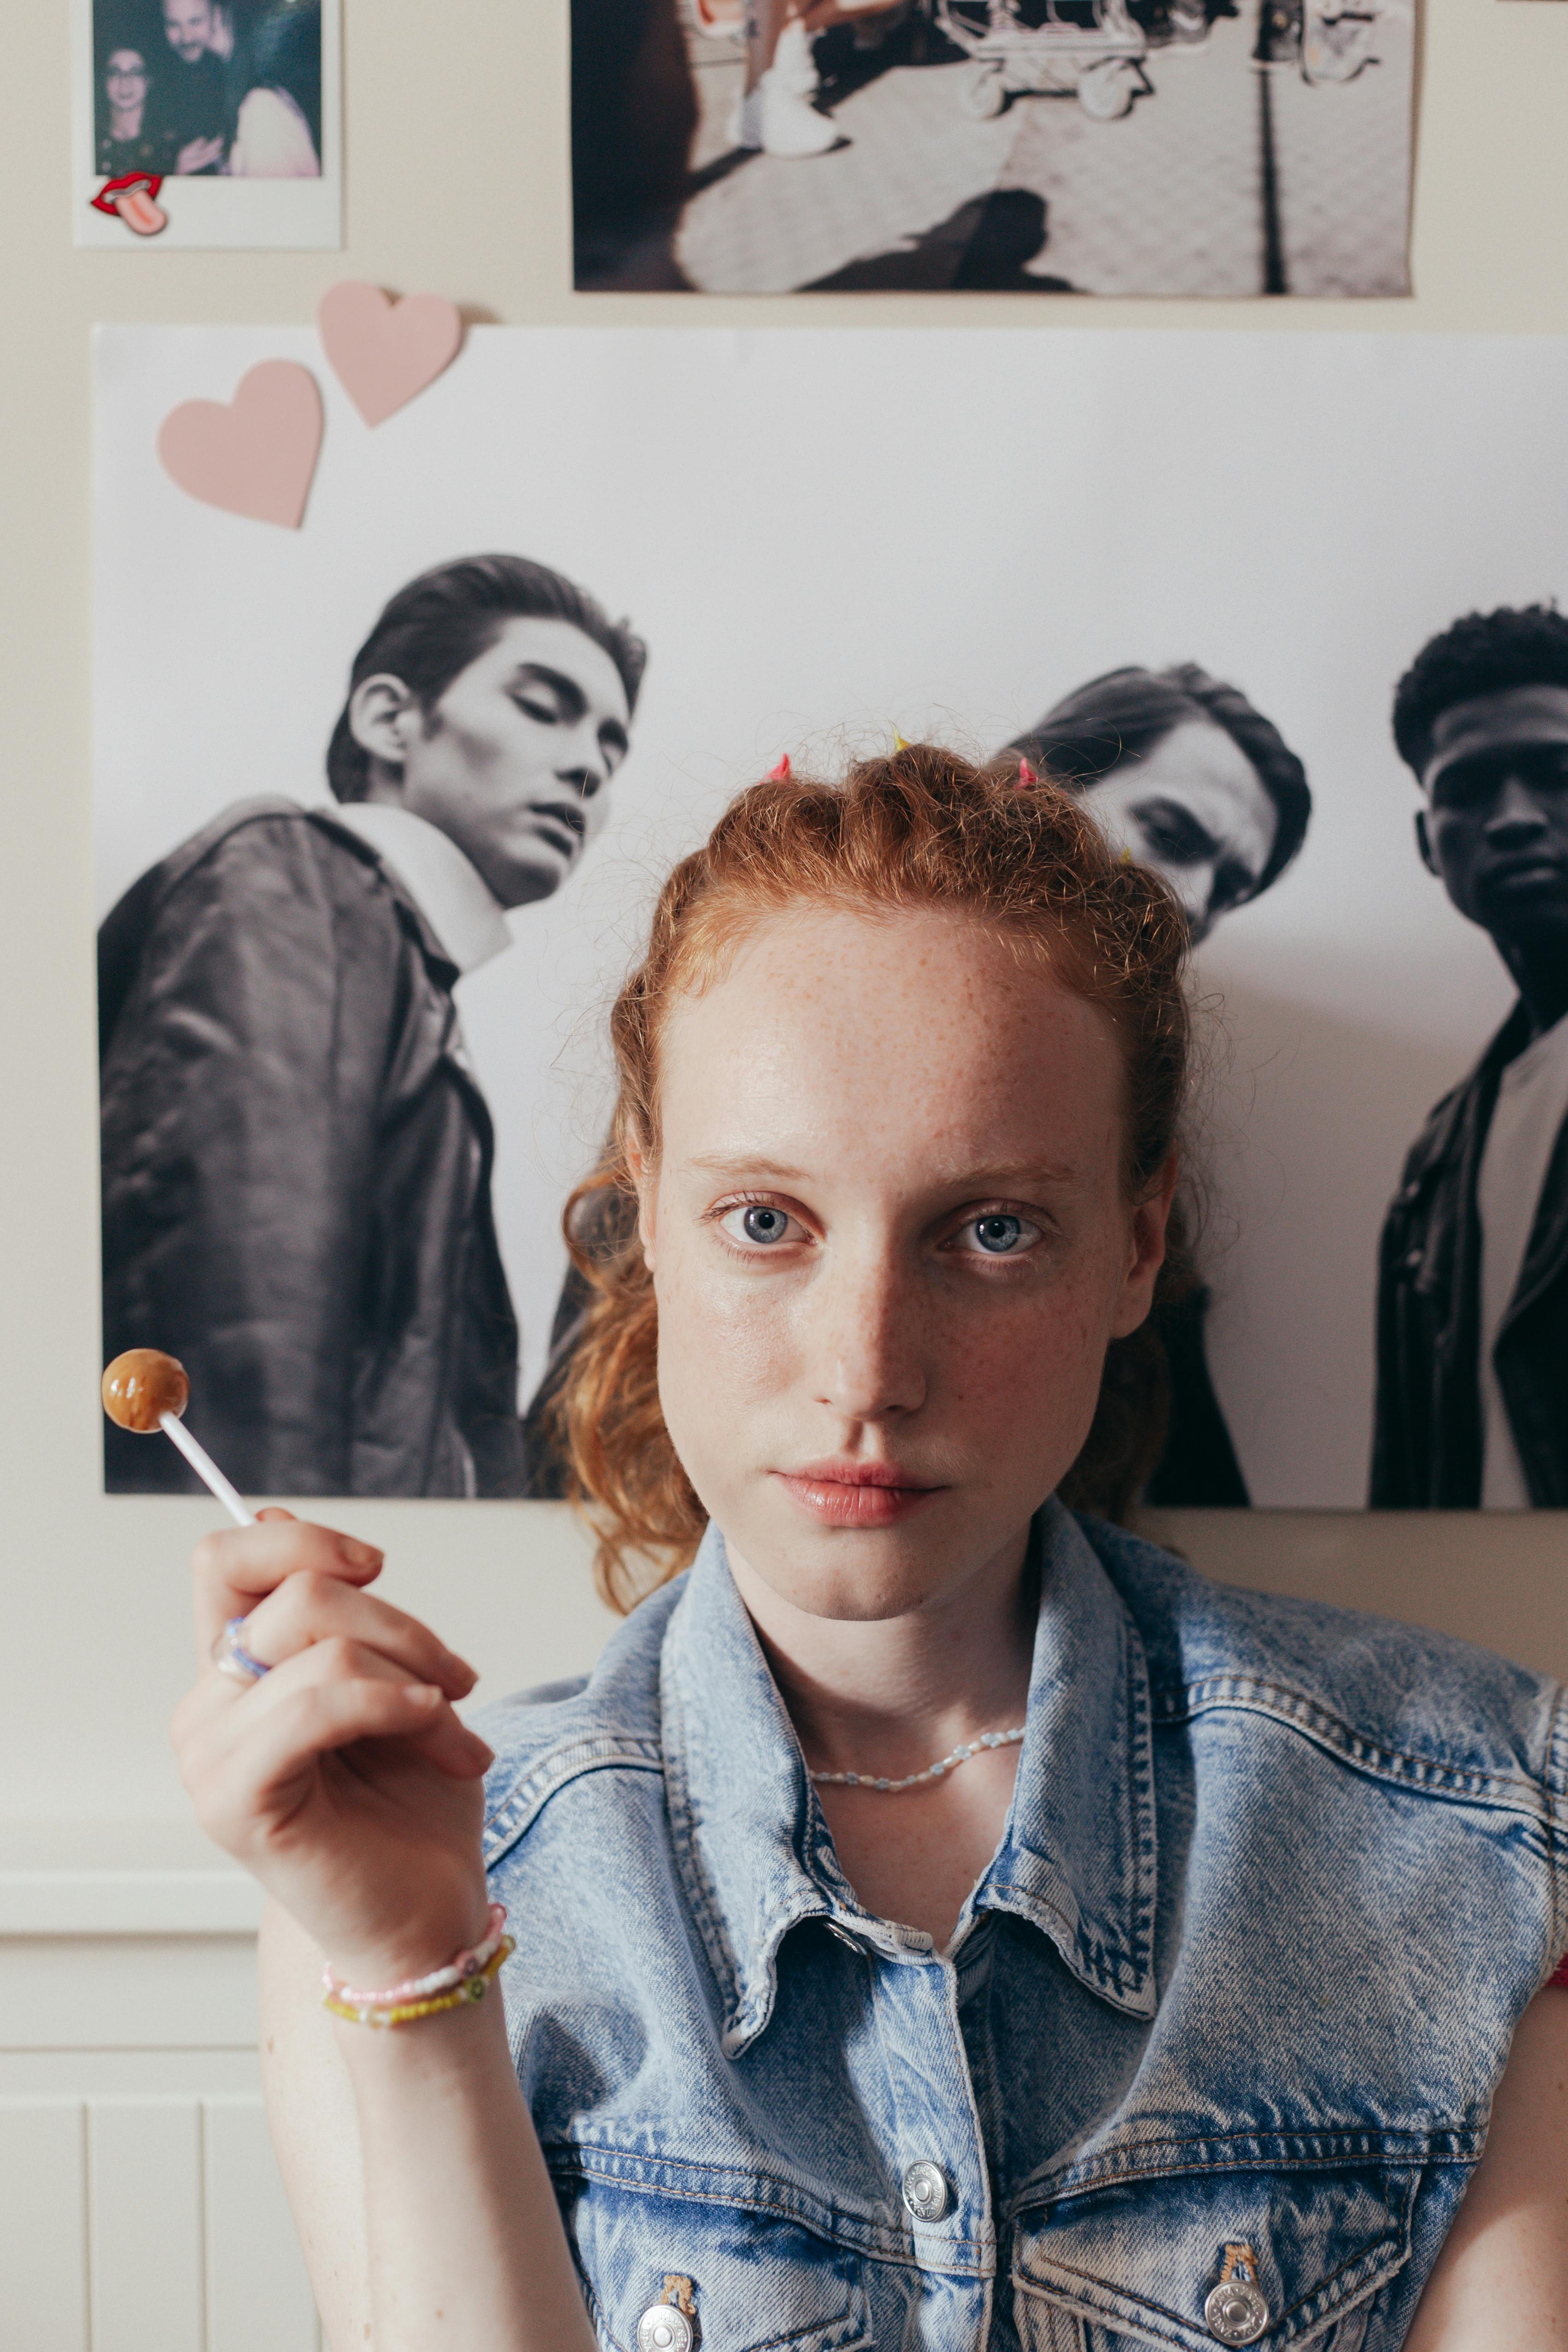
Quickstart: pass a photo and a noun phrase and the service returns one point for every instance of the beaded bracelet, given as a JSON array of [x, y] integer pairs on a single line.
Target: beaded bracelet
[[458, 1972], [404, 2013]]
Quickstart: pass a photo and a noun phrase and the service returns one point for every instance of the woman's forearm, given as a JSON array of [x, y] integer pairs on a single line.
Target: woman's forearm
[[463, 2233]]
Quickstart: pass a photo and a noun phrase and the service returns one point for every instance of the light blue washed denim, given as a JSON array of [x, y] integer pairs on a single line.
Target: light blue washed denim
[[1276, 1883]]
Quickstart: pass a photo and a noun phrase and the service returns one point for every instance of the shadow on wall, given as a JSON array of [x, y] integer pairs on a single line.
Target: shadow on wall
[[984, 248], [1304, 1139]]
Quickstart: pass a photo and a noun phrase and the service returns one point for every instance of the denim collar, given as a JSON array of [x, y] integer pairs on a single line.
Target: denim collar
[[1078, 1854]]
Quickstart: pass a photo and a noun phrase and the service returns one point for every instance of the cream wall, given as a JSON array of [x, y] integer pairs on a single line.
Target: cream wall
[[456, 181]]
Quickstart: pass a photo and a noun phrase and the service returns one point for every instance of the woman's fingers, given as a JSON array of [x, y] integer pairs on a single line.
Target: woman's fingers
[[315, 1606], [250, 1794], [241, 1763], [236, 1567]]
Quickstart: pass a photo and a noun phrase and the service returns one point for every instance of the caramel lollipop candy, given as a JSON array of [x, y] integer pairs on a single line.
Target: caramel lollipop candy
[[140, 1386], [146, 1391]]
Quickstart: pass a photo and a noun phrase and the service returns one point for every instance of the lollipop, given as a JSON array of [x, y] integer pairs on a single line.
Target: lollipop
[[144, 1390]]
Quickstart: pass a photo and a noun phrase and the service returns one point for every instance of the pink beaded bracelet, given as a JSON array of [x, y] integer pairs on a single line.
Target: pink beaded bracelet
[[455, 1972]]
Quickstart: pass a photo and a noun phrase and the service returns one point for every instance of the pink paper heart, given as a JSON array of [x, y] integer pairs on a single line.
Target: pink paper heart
[[384, 351], [256, 456]]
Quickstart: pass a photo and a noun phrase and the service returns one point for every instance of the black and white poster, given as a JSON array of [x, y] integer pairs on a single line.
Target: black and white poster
[[383, 801], [1222, 148]]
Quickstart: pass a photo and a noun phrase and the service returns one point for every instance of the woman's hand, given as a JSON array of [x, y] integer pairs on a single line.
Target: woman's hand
[[343, 1780]]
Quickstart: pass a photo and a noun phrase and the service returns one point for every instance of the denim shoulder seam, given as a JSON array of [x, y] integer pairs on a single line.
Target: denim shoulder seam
[[552, 1772], [1327, 2147], [1422, 1775], [1557, 1827]]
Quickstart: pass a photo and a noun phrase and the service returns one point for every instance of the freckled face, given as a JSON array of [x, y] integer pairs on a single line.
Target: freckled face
[[887, 1230]]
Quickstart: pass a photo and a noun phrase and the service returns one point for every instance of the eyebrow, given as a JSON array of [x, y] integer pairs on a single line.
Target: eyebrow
[[971, 1183], [538, 674], [1512, 746], [571, 695], [1178, 810]]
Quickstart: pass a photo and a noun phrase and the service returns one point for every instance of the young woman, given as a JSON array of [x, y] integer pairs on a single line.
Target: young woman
[[939, 1922], [126, 140]]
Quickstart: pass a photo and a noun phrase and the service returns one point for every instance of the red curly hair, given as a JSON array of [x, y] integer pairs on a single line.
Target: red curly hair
[[923, 828]]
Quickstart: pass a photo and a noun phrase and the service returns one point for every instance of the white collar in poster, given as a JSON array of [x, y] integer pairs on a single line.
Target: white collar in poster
[[459, 907]]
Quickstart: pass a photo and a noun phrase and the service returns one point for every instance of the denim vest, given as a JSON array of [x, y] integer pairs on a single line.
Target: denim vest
[[1209, 2059]]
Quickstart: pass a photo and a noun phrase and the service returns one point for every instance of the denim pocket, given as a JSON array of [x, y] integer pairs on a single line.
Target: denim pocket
[[755, 2283], [1135, 2263]]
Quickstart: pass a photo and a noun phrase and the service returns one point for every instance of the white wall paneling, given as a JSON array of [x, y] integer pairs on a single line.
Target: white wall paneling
[[141, 2208]]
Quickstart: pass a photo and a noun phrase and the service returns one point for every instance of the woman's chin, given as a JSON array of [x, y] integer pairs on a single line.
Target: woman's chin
[[855, 1576]]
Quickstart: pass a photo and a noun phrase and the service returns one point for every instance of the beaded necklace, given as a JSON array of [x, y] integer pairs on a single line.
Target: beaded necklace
[[960, 1755]]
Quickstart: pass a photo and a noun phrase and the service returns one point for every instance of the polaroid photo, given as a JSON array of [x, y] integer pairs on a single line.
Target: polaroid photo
[[207, 123]]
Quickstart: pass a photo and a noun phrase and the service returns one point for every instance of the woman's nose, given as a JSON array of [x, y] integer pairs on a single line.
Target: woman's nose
[[870, 1345]]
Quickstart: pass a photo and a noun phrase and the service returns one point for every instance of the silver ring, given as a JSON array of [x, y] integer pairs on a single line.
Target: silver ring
[[231, 1658]]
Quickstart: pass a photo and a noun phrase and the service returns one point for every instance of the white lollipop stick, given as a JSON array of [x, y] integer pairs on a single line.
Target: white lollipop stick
[[206, 1469]]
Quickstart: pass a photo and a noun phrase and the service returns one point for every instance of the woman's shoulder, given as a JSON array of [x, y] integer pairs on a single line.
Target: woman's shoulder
[[1401, 1702], [605, 1722]]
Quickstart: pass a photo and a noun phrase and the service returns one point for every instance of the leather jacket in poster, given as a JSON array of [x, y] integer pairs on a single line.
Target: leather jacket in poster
[[297, 1173], [1426, 1444]]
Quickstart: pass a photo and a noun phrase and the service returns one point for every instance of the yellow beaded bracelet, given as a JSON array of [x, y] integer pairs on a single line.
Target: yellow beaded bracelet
[[404, 2013]]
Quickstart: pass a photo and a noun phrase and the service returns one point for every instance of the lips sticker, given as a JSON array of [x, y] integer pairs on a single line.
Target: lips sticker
[[133, 198]]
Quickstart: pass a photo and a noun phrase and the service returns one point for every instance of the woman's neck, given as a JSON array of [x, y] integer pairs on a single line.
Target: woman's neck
[[125, 122], [891, 1694]]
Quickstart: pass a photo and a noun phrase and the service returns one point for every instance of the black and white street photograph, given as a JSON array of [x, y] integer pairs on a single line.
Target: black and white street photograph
[[236, 97], [1222, 148], [381, 804]]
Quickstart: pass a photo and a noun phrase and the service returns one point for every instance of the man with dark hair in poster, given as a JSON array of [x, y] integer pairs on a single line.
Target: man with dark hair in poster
[[295, 1154], [1188, 778], [1472, 1322]]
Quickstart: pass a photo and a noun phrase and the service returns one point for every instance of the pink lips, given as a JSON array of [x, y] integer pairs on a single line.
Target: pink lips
[[845, 1494]]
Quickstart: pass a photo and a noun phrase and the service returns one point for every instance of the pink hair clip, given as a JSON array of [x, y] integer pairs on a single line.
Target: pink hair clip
[[780, 776], [1027, 775]]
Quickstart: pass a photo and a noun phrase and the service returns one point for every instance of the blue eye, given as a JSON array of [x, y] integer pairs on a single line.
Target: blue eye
[[758, 1224], [996, 1234]]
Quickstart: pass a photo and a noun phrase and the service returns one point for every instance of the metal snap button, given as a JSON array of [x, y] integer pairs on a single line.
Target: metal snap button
[[926, 2192], [1235, 2311], [664, 2327]]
